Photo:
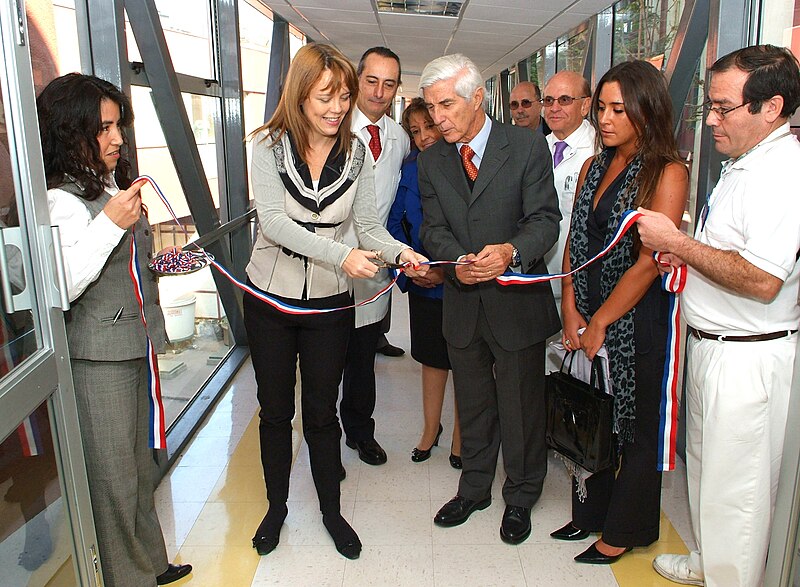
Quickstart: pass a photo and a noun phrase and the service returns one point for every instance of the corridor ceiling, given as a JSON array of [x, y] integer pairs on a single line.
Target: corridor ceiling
[[495, 34]]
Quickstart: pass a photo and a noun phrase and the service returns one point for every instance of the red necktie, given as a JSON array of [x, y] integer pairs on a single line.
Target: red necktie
[[375, 140], [466, 158]]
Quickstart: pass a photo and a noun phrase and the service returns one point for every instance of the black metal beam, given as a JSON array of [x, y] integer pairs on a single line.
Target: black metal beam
[[231, 150], [168, 103], [278, 65], [687, 49]]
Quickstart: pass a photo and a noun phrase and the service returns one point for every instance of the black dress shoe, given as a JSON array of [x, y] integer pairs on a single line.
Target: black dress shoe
[[570, 532], [592, 556], [173, 573], [369, 451], [516, 525], [418, 455], [268, 534], [458, 510], [266, 543], [389, 350], [342, 474], [455, 461]]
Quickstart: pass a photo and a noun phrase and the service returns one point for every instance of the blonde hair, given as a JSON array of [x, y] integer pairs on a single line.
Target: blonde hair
[[307, 68]]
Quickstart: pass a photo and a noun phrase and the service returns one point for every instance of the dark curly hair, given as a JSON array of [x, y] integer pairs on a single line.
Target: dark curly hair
[[69, 122]]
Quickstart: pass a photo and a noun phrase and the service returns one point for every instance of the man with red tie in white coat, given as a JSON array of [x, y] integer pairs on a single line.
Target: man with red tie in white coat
[[388, 145]]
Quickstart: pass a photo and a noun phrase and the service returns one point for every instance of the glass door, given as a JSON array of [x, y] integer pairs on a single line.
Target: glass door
[[46, 530]]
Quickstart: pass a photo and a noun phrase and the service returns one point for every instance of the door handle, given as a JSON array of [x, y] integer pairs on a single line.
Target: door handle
[[59, 289], [12, 271]]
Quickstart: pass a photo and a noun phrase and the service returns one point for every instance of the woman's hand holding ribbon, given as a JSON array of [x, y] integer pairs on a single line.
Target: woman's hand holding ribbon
[[125, 207], [413, 262]]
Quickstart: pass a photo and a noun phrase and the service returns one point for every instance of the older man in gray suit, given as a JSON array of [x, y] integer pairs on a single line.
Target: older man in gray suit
[[488, 197]]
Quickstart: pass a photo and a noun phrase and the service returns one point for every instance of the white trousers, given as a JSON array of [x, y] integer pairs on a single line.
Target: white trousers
[[737, 396]]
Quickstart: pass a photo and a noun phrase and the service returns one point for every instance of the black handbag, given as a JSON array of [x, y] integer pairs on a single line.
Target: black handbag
[[580, 417]]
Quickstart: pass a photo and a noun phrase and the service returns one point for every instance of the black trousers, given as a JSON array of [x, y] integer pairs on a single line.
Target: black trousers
[[626, 505], [501, 401], [358, 383], [320, 341]]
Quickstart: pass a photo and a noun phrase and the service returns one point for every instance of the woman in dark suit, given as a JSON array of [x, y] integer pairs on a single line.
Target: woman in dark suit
[[620, 303], [428, 346]]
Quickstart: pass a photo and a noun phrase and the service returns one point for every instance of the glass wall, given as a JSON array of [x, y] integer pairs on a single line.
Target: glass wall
[[645, 29], [571, 50], [35, 539]]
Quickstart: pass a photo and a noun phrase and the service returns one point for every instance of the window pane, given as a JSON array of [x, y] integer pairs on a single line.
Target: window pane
[[645, 29], [187, 30], [35, 537], [571, 51], [255, 39], [193, 313]]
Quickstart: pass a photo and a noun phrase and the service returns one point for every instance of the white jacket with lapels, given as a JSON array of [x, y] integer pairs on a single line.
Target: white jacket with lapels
[[299, 250]]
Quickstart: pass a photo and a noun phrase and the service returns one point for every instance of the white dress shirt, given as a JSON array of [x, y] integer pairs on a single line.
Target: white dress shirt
[[86, 243], [580, 146], [395, 147]]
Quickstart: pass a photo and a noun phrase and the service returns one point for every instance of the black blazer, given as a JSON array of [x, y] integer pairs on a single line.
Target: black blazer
[[513, 200]]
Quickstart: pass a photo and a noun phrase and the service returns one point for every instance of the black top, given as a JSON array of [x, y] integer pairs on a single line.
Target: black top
[[597, 229]]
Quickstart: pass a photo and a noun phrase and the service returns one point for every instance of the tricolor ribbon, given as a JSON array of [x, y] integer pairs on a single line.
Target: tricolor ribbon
[[157, 437], [672, 282], [30, 438]]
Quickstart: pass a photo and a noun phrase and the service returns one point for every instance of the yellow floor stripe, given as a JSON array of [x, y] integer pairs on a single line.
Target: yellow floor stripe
[[215, 549], [635, 569]]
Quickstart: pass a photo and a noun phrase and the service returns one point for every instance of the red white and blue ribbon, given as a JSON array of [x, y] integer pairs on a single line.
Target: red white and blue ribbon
[[157, 437], [628, 220], [29, 435], [298, 311], [673, 283]]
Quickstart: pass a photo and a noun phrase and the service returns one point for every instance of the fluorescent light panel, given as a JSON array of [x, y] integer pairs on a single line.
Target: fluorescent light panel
[[427, 7]]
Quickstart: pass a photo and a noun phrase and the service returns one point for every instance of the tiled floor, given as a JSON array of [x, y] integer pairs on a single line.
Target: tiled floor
[[213, 499]]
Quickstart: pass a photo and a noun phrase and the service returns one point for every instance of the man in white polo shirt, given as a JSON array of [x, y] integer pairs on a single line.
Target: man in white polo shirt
[[740, 303]]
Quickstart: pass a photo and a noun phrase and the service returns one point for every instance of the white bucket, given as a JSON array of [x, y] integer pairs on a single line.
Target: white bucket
[[179, 317]]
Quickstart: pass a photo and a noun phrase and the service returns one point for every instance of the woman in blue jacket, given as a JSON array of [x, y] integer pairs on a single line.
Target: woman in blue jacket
[[424, 293]]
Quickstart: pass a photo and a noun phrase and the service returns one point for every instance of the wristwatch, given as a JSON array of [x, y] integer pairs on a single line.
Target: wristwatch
[[516, 261]]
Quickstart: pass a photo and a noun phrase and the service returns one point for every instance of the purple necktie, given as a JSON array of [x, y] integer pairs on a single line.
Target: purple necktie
[[558, 154]]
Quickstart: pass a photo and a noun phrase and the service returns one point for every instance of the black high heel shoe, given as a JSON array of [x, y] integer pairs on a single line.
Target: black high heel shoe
[[455, 461], [418, 455]]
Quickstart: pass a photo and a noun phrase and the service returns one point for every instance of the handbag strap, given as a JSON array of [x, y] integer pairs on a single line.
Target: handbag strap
[[596, 379]]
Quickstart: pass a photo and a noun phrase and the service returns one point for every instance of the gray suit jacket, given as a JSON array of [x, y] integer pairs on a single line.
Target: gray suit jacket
[[514, 201]]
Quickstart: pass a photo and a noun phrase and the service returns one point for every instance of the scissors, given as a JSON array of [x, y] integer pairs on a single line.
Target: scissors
[[383, 264]]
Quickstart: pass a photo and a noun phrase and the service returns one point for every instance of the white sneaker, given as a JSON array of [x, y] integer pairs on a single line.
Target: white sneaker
[[675, 567]]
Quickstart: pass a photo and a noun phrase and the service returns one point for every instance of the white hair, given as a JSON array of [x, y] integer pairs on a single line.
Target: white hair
[[450, 66]]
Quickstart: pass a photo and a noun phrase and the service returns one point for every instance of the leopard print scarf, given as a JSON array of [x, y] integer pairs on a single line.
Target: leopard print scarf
[[619, 335]]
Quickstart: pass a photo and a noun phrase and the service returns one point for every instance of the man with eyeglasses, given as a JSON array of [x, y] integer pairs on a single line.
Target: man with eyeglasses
[[526, 107], [740, 303], [567, 97]]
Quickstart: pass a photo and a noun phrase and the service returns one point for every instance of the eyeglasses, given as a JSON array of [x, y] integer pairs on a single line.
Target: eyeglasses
[[548, 101], [524, 103], [719, 110]]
